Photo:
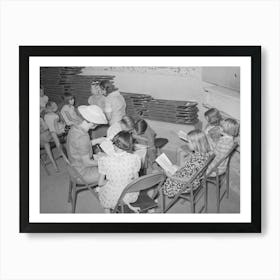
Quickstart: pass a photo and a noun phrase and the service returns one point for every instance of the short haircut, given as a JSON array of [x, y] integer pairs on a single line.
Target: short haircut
[[230, 126], [213, 116], [67, 97], [141, 126], [103, 83], [124, 141], [199, 141], [51, 105], [128, 122]]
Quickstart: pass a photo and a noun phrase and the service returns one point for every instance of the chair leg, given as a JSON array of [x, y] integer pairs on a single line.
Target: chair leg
[[218, 193], [163, 201], [74, 197], [227, 182], [192, 203], [70, 191], [205, 186]]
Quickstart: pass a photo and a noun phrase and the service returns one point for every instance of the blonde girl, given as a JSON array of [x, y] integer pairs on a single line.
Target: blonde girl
[[199, 150]]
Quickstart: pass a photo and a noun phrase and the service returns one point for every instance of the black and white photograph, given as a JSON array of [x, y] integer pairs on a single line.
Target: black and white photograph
[[139, 139], [141, 135]]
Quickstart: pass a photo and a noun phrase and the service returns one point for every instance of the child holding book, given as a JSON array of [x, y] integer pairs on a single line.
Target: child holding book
[[199, 153], [212, 130], [117, 171]]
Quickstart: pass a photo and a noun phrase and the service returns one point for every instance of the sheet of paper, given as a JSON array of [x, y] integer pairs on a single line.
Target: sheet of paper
[[166, 164], [108, 147]]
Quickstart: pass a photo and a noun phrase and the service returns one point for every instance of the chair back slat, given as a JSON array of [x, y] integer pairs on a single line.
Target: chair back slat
[[198, 174], [228, 155]]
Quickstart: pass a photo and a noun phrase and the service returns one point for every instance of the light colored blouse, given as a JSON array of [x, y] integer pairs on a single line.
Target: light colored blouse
[[119, 170]]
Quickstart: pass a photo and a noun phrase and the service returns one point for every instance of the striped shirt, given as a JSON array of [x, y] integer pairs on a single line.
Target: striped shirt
[[222, 148]]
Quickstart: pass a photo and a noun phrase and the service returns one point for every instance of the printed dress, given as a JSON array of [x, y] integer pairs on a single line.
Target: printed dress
[[194, 162], [119, 170]]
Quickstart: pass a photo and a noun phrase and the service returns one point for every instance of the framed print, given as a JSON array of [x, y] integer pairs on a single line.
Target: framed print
[[140, 139]]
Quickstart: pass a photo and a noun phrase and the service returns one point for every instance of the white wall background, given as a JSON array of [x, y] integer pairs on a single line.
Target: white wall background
[[124, 256]]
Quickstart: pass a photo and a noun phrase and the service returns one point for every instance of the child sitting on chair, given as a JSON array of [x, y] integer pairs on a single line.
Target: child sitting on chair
[[230, 130], [213, 128], [195, 160], [51, 118], [68, 111], [145, 135], [119, 169], [126, 123]]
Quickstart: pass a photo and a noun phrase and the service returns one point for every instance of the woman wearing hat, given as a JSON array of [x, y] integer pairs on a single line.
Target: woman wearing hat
[[79, 145]]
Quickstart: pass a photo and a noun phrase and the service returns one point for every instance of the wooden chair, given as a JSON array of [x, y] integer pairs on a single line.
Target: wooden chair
[[188, 193], [141, 184], [219, 179], [77, 183]]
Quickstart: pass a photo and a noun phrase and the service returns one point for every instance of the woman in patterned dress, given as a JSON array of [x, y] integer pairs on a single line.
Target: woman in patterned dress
[[193, 162], [117, 171]]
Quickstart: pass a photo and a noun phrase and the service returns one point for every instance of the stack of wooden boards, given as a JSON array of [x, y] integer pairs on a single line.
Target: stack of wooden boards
[[58, 81], [136, 104], [183, 112]]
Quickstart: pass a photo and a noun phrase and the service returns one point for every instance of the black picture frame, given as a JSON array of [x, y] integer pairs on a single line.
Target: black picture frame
[[254, 52]]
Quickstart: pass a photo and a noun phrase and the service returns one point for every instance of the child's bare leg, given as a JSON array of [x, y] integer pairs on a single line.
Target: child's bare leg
[[50, 155], [107, 210]]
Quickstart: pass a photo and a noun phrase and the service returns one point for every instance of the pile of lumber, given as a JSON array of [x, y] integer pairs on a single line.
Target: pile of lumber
[[183, 112]]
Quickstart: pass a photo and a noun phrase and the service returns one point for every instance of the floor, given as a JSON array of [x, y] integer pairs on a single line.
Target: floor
[[54, 194]]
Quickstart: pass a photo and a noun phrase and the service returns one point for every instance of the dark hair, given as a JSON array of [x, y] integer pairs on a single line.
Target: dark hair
[[128, 122], [103, 83], [124, 141], [141, 126], [67, 97], [213, 116]]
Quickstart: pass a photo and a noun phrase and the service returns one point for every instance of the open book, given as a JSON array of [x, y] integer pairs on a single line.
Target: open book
[[166, 164], [183, 135], [107, 147]]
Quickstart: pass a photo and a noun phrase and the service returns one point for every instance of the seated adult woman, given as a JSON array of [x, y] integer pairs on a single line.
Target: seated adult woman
[[79, 145], [119, 169]]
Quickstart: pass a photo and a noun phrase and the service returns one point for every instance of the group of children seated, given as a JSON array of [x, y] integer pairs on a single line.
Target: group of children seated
[[217, 138], [117, 170]]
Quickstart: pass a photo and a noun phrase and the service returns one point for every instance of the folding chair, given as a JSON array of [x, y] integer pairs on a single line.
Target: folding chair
[[218, 179], [141, 184], [187, 192], [77, 183]]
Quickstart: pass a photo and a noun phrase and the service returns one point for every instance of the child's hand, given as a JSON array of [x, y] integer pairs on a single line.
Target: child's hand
[[134, 209]]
